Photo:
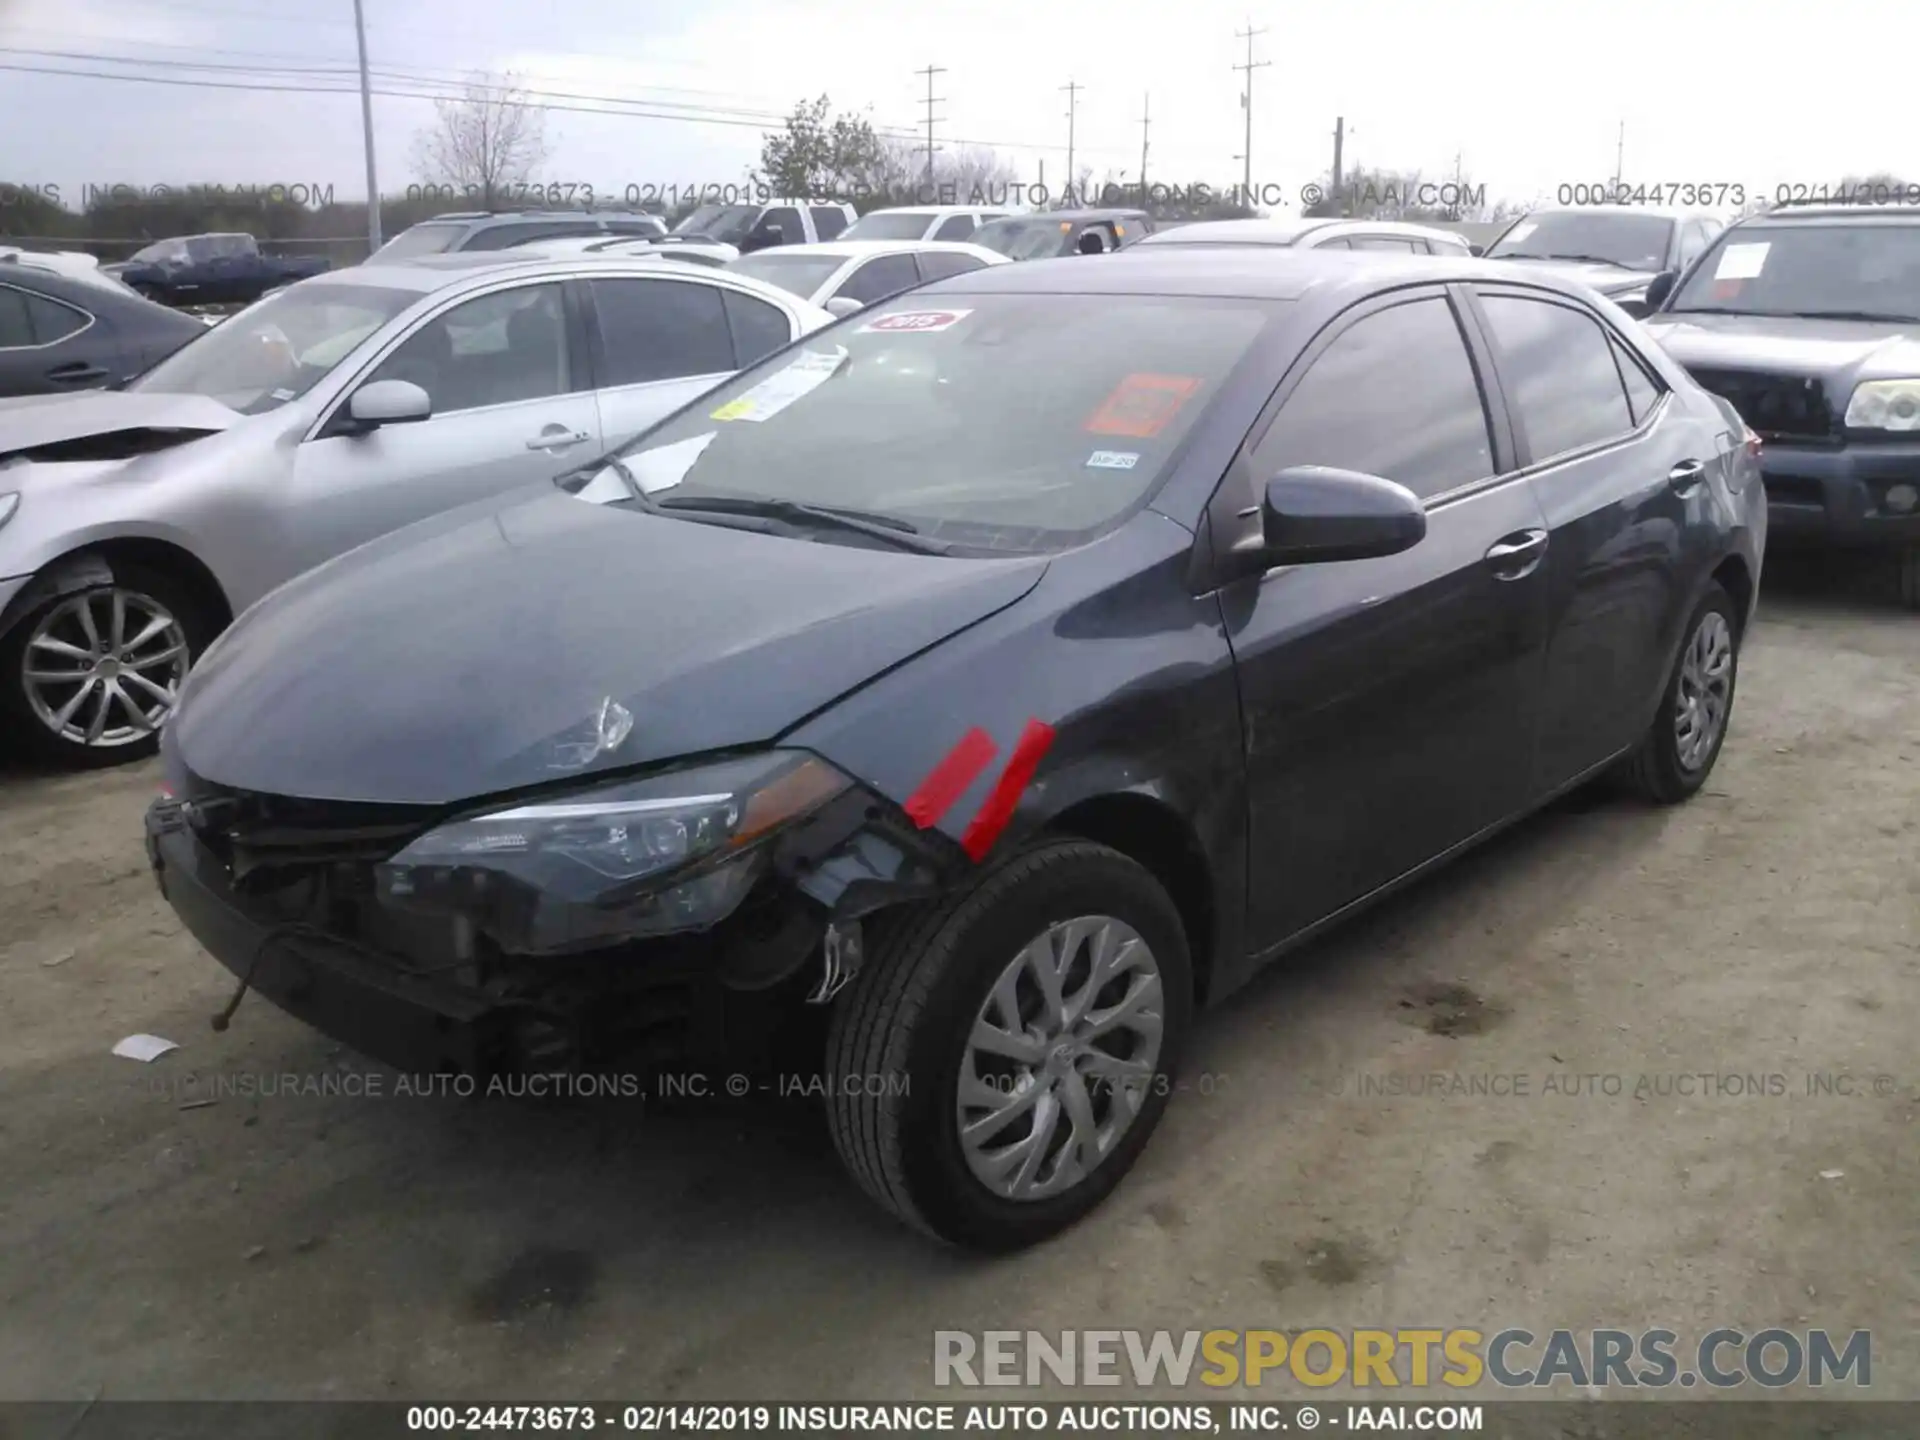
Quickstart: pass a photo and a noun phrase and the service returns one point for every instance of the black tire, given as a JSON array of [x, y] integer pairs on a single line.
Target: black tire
[[1654, 771], [29, 733], [1909, 563], [907, 1014]]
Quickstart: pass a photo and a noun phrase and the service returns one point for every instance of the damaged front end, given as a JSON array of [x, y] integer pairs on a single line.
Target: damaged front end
[[679, 919]]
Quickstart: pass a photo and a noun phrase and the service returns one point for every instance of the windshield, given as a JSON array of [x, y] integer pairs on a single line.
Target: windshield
[[1803, 269], [1007, 423], [1634, 242], [423, 239], [797, 274], [1027, 238], [719, 222], [890, 225], [278, 348]]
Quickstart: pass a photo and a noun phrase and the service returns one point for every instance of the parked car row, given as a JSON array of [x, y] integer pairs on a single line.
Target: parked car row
[[962, 696]]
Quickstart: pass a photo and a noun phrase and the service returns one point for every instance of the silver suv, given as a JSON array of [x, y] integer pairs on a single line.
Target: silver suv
[[136, 523]]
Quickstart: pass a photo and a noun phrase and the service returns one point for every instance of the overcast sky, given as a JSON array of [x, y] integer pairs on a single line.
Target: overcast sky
[[1529, 96]]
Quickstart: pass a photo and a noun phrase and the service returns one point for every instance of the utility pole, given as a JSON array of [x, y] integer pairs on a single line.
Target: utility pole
[[1072, 89], [1339, 148], [1246, 104], [1146, 119], [930, 102], [366, 131], [1619, 157]]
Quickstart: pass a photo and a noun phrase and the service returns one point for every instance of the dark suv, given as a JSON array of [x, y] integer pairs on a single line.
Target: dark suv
[[484, 230], [1808, 320]]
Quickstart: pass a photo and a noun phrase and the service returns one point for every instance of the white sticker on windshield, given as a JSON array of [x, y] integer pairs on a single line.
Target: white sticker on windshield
[[1741, 262], [1518, 232], [789, 383], [282, 395], [1113, 460], [917, 321]]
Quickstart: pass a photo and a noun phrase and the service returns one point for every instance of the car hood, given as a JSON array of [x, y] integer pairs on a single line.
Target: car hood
[[132, 421], [1840, 352], [1609, 280], [469, 655]]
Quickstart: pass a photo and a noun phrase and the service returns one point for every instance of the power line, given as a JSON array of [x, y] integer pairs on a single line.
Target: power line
[[1246, 103], [930, 102]]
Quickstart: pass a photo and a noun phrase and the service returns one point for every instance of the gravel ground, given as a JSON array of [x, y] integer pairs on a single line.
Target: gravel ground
[[301, 1245]]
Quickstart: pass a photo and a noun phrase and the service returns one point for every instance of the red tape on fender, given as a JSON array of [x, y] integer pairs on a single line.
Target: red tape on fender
[[949, 780], [999, 806]]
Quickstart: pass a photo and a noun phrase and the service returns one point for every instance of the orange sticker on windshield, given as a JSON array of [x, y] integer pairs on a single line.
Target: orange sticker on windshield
[[1141, 406]]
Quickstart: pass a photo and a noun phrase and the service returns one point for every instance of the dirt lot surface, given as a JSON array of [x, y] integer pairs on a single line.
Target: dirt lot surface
[[1592, 964]]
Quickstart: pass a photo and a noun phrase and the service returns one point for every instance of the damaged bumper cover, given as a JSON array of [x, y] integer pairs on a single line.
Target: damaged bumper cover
[[409, 941]]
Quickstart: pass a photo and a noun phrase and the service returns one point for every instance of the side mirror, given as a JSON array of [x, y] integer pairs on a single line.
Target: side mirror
[[765, 234], [1476, 250], [388, 402], [841, 306], [1313, 513], [1659, 288]]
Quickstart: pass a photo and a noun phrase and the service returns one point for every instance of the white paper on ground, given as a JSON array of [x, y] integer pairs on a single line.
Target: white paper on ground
[[1741, 262], [144, 1048]]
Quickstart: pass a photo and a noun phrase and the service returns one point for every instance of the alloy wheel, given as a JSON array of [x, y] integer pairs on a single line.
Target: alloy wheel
[[102, 669], [1060, 1058], [1705, 692]]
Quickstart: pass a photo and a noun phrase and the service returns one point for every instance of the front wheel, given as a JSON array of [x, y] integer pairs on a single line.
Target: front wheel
[[1678, 751], [1002, 1058], [87, 678]]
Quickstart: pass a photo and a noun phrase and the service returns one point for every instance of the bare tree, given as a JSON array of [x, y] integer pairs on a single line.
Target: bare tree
[[487, 142]]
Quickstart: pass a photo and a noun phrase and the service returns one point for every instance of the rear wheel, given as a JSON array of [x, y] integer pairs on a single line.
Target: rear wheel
[[86, 678], [1679, 749], [1003, 1057]]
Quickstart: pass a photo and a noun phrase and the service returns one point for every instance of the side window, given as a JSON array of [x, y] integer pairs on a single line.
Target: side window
[[27, 319], [828, 220], [16, 322], [1337, 243], [1642, 393], [1559, 370], [660, 330], [939, 264], [955, 227], [879, 278], [1694, 239], [1382, 242], [494, 350], [758, 329], [788, 219], [1394, 395]]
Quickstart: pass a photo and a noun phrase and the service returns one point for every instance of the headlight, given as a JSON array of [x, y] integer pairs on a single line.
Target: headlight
[[1885, 405], [668, 853], [8, 504]]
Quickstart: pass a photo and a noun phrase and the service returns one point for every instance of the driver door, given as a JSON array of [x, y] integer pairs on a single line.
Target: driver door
[[511, 407]]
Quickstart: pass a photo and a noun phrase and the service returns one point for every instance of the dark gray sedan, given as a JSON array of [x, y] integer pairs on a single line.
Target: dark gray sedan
[[1005, 673]]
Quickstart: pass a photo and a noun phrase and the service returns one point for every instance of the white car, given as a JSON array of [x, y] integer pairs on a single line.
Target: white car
[[842, 276], [922, 222]]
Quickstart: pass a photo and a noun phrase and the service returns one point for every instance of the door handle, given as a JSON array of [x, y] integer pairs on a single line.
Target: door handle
[[1514, 556], [1685, 477], [75, 372], [558, 437]]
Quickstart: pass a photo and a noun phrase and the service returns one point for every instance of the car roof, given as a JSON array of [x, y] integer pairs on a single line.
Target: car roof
[[860, 249], [425, 274], [1659, 212], [1075, 216], [1864, 214], [475, 217], [1253, 273], [934, 209]]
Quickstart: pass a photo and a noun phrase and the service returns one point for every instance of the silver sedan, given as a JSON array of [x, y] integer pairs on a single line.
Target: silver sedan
[[135, 524]]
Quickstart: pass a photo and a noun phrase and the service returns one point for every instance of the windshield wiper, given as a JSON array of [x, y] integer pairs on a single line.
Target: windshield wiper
[[891, 528], [1856, 315], [1576, 259]]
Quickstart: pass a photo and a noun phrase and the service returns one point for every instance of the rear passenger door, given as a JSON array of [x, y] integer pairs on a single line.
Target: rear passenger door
[[47, 345], [1390, 704], [1606, 455], [658, 342]]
